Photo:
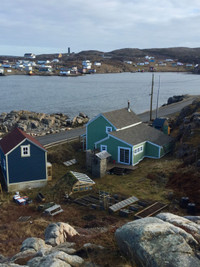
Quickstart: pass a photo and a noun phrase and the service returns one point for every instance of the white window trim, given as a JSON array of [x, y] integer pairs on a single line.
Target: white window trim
[[22, 151], [138, 150], [125, 148], [105, 148], [108, 129]]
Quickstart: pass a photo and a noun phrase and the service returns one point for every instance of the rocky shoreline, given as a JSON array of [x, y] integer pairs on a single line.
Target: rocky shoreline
[[39, 124]]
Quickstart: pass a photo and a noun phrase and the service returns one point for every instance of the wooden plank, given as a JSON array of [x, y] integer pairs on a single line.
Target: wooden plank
[[164, 206], [150, 210]]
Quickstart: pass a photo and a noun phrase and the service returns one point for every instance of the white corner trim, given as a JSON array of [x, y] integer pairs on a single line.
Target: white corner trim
[[46, 165], [7, 171]]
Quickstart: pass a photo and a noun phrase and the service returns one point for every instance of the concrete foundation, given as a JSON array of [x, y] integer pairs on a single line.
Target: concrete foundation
[[26, 185]]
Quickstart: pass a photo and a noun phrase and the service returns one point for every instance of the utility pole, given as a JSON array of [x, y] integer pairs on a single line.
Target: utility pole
[[158, 99], [151, 102]]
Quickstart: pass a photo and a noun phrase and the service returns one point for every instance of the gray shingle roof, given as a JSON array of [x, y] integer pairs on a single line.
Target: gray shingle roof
[[140, 133], [122, 117]]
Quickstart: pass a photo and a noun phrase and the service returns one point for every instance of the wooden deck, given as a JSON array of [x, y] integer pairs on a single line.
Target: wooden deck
[[110, 166]]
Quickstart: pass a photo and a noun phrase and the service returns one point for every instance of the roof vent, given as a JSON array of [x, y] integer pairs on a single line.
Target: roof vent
[[129, 110]]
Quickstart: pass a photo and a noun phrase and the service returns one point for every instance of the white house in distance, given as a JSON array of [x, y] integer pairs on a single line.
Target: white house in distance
[[86, 64], [128, 62], [29, 55], [98, 64]]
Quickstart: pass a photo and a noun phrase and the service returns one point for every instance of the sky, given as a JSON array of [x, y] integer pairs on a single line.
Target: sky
[[51, 26]]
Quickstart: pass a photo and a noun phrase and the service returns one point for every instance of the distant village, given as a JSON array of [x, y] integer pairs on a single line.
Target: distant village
[[31, 65]]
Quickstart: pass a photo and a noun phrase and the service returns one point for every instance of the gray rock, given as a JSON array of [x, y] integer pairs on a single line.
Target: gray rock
[[34, 124], [9, 264], [23, 254], [151, 242], [57, 233], [3, 259], [81, 114], [195, 219], [56, 259], [34, 243], [89, 246], [65, 247]]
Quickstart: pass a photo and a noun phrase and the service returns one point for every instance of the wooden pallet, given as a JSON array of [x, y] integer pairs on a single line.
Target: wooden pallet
[[23, 218], [122, 204]]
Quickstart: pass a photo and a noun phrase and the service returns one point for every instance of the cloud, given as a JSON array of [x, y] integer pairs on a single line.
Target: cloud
[[103, 25]]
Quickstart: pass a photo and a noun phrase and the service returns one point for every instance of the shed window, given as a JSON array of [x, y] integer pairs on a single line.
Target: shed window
[[103, 148], [25, 151]]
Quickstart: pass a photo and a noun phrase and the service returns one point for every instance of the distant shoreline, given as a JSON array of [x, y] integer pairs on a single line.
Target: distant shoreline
[[80, 74]]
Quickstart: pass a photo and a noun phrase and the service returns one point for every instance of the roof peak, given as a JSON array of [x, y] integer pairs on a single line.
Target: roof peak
[[121, 118], [16, 136]]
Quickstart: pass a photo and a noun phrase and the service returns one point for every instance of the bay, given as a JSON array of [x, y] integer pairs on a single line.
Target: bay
[[92, 94]]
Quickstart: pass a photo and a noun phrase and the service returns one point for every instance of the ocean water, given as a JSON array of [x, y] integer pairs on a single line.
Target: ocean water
[[92, 94]]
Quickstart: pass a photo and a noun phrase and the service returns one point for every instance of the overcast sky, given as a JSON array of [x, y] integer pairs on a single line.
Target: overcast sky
[[51, 26]]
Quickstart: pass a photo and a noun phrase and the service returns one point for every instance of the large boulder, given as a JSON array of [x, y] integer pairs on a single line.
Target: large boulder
[[151, 242], [57, 233]]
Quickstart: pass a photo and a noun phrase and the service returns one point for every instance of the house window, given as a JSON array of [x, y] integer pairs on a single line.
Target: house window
[[108, 129], [138, 150], [124, 155], [103, 148], [25, 151]]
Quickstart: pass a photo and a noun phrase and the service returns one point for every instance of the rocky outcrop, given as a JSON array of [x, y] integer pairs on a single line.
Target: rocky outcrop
[[39, 123], [36, 253], [175, 99], [152, 242], [57, 233]]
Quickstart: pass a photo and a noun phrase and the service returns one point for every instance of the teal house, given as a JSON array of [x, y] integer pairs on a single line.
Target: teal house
[[23, 161], [122, 134]]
